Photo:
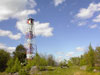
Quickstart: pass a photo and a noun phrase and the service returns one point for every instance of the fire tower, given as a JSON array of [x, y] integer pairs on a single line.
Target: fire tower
[[30, 35]]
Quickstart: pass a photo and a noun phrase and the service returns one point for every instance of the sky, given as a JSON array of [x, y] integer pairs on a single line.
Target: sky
[[63, 28]]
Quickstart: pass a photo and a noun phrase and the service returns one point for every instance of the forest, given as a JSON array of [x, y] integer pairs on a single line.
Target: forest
[[17, 64]]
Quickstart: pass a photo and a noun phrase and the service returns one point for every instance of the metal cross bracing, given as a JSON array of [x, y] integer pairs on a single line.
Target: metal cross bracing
[[30, 35]]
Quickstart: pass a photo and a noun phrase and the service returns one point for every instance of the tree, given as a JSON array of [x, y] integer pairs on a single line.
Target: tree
[[17, 66], [75, 60], [39, 60], [91, 57], [20, 53], [97, 56], [69, 63], [10, 64], [63, 63], [83, 59], [4, 57], [51, 61], [13, 66]]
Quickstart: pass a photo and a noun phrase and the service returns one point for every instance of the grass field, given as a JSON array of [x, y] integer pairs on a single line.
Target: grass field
[[63, 71], [66, 71]]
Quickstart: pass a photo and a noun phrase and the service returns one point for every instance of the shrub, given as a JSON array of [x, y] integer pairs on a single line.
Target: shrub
[[97, 68], [23, 72], [43, 62], [4, 57], [28, 66], [42, 68], [30, 63], [50, 68], [70, 63], [17, 66], [89, 68], [13, 66], [10, 64], [51, 61], [20, 53]]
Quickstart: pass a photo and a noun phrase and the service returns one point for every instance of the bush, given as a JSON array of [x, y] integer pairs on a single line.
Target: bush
[[13, 66], [70, 63], [97, 68], [20, 53], [23, 72], [29, 65], [4, 57], [43, 62], [42, 68], [10, 64], [50, 68], [89, 68], [51, 61], [17, 66]]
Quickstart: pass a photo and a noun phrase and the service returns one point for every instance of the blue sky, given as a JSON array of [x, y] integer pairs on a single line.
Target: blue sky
[[64, 28]]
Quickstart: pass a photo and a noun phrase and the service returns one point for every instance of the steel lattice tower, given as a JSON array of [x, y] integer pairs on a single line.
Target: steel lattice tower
[[30, 35]]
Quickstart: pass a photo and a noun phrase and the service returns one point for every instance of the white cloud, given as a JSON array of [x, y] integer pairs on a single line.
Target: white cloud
[[20, 10], [70, 54], [42, 29], [86, 13], [82, 23], [23, 14], [10, 34], [6, 48], [60, 53], [59, 58], [57, 2], [93, 26], [80, 49], [11, 8], [97, 19]]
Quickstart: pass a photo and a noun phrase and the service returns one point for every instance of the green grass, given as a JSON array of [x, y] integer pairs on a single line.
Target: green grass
[[63, 71], [66, 71]]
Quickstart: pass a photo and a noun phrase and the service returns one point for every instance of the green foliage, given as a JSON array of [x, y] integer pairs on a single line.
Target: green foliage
[[4, 57], [20, 53], [51, 61], [42, 68], [88, 58], [36, 61], [50, 68], [42, 62], [17, 66], [89, 68], [10, 64], [97, 56], [23, 72], [39, 60], [75, 60], [30, 64], [13, 66], [69, 63], [97, 68], [63, 63], [91, 57], [83, 59]]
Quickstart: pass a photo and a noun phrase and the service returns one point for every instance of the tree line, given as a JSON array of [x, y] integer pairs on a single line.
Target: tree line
[[90, 59], [19, 63]]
